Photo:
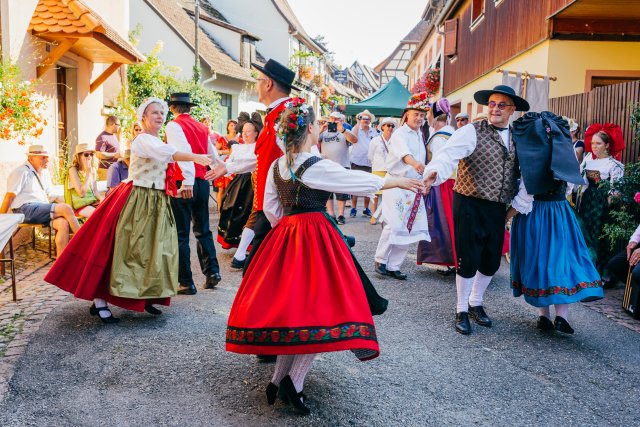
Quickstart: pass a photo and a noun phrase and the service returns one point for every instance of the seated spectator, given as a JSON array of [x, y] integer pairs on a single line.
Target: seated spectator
[[81, 189], [136, 130], [119, 171], [618, 266], [28, 191]]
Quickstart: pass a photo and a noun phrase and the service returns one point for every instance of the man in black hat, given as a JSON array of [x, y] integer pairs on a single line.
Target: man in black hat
[[274, 87], [192, 203], [486, 184]]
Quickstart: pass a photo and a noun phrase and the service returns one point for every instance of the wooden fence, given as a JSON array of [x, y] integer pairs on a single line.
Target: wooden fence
[[602, 105]]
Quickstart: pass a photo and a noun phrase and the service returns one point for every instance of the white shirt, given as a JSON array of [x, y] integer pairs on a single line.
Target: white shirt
[[635, 237], [176, 137], [378, 150], [324, 175], [405, 141], [242, 154], [360, 150], [23, 183], [334, 146]]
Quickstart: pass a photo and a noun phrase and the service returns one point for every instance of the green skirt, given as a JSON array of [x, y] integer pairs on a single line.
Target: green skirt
[[145, 258]]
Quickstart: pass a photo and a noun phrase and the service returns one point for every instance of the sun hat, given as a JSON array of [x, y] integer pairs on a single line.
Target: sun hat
[[37, 150]]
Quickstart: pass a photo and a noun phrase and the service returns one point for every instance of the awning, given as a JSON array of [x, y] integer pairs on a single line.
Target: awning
[[597, 17], [388, 101], [74, 27]]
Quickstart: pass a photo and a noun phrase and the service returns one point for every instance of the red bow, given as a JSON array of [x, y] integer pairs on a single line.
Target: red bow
[[615, 133]]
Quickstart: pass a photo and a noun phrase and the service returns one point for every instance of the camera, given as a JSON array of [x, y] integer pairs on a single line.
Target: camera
[[332, 127]]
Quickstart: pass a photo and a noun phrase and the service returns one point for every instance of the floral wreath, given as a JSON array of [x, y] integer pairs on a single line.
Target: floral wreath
[[419, 101], [295, 120]]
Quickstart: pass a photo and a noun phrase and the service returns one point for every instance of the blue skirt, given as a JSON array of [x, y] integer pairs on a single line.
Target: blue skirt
[[550, 261]]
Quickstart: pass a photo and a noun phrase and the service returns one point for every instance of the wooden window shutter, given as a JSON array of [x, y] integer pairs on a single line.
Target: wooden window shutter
[[450, 37]]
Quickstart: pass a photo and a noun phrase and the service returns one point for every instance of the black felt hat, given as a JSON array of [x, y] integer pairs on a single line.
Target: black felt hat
[[482, 97], [181, 98], [278, 72]]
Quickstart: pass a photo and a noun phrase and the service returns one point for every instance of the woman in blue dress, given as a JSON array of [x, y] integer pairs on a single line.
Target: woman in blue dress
[[550, 263]]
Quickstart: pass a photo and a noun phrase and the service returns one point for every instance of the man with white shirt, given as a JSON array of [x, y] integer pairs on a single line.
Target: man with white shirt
[[28, 192], [192, 205], [486, 184], [360, 155]]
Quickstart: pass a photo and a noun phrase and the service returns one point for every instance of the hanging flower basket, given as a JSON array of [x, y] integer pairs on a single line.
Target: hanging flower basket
[[20, 107], [305, 73], [429, 82]]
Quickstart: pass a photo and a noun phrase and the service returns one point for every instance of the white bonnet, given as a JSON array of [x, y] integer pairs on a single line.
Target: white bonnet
[[148, 101]]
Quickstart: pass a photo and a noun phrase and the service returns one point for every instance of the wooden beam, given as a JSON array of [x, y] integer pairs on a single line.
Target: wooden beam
[[104, 76], [595, 26], [54, 56]]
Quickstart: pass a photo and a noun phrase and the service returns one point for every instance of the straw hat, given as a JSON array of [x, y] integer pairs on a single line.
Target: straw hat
[[37, 150], [364, 114], [83, 148]]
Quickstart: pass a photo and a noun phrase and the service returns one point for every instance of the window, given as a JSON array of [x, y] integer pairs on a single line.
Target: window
[[450, 37], [477, 10]]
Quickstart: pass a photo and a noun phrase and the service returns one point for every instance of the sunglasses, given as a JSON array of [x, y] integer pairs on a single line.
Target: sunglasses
[[462, 120], [87, 155], [501, 105], [390, 125]]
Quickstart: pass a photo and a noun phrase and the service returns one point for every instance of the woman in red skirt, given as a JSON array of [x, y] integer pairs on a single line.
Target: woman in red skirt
[[289, 304]]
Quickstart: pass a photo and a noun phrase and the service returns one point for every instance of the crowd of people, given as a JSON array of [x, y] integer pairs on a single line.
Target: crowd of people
[[449, 186]]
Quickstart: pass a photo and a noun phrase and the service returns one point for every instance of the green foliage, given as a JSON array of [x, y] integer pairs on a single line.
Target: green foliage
[[151, 78], [625, 211], [208, 100], [634, 120]]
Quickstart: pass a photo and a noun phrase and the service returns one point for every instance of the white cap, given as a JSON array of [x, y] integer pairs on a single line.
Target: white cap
[[388, 120], [336, 115], [462, 116]]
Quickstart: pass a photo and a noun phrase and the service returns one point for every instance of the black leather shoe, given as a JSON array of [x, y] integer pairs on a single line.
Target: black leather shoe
[[212, 281], [545, 324], [448, 272], [237, 265], [479, 316], [152, 310], [381, 268], [295, 398], [94, 311], [262, 358], [187, 290], [272, 393], [463, 325], [397, 275], [562, 325]]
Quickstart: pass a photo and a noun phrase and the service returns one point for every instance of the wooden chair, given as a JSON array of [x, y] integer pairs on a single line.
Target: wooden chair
[[50, 234], [11, 261]]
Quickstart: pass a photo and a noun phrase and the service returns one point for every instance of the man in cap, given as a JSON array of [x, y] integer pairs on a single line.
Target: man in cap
[[28, 192], [403, 212], [360, 154], [462, 119], [334, 145], [486, 184], [274, 87], [192, 204]]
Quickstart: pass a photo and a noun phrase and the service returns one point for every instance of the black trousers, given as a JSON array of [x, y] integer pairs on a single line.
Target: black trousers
[[262, 227], [618, 267], [195, 209], [479, 233]]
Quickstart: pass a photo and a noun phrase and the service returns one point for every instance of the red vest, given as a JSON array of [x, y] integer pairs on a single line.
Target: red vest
[[267, 151], [197, 136]]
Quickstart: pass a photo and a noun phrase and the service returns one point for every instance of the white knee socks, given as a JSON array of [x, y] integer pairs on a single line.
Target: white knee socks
[[480, 284], [245, 240], [463, 289], [283, 366], [562, 310], [296, 366]]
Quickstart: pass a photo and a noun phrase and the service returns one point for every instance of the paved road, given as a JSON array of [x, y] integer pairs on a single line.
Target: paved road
[[173, 370]]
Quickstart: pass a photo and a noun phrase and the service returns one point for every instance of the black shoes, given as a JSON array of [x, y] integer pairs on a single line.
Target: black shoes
[[381, 268], [545, 324], [562, 325], [479, 316], [237, 265], [152, 310], [187, 290], [94, 311], [212, 281], [397, 275], [263, 358], [448, 272], [463, 325], [340, 220], [272, 393], [295, 398]]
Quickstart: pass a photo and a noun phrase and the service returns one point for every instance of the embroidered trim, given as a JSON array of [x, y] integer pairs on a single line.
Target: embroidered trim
[[307, 335], [555, 290]]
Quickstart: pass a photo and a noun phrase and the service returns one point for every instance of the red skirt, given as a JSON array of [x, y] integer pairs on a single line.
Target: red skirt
[[302, 294], [84, 267]]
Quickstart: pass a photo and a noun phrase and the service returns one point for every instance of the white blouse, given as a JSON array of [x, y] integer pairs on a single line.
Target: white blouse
[[378, 150], [151, 147], [243, 154], [608, 167], [325, 175]]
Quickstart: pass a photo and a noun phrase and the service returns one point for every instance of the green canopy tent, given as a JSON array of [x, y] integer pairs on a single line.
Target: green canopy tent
[[389, 100]]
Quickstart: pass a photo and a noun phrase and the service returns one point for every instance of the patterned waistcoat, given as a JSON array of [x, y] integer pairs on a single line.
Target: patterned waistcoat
[[491, 171], [294, 195]]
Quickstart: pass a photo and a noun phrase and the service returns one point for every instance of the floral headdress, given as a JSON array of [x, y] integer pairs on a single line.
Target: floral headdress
[[419, 101], [295, 120]]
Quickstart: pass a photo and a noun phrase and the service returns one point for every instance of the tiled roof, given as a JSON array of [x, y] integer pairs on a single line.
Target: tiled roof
[[417, 33], [212, 11], [54, 18], [219, 62]]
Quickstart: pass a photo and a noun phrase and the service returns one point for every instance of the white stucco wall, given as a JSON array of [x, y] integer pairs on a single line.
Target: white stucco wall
[[229, 40], [262, 19]]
